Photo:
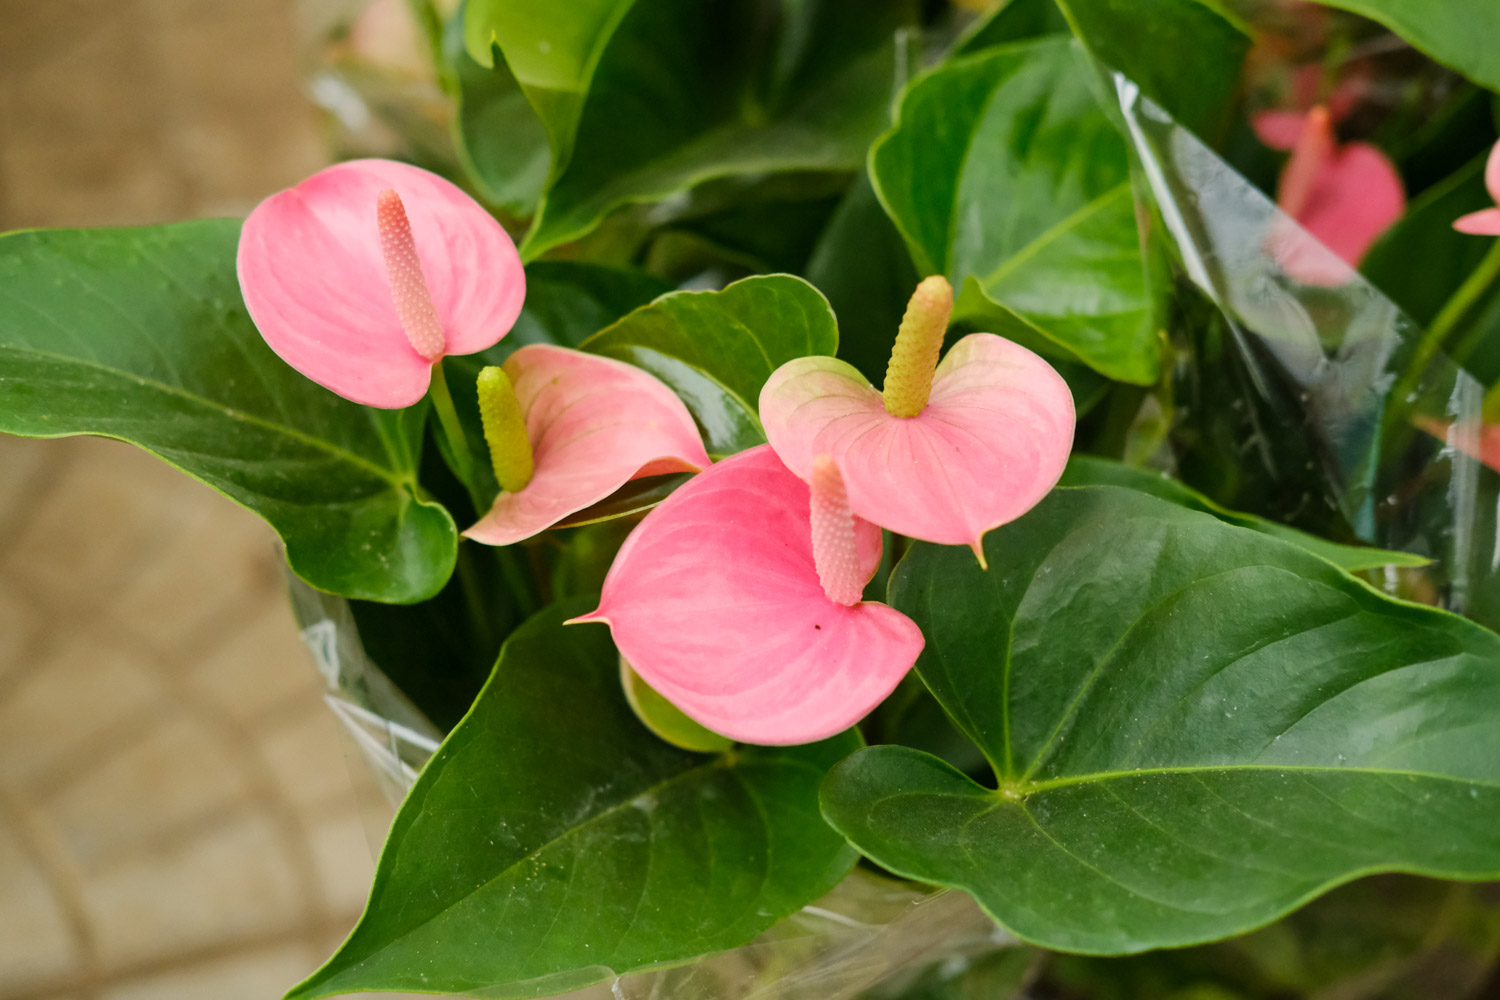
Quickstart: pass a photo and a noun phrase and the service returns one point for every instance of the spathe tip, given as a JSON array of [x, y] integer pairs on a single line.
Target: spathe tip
[[977, 546], [597, 615]]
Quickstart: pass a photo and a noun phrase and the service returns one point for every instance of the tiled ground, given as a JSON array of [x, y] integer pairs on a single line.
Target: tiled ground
[[176, 816]]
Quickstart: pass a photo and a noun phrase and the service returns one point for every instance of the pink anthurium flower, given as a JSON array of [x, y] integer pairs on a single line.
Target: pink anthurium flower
[[1344, 195], [944, 453], [738, 600], [367, 273], [1485, 222], [566, 429]]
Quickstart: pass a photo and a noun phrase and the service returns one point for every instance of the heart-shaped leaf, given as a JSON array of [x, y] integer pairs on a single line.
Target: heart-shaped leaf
[[1005, 176], [554, 842], [642, 100], [1196, 728], [141, 335], [716, 349]]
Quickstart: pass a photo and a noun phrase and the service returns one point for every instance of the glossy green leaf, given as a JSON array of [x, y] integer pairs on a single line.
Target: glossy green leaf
[[635, 497], [1196, 728], [141, 335], [499, 138], [554, 842], [1013, 21], [1457, 33], [647, 99], [1086, 470], [1185, 55], [1003, 174], [862, 266], [716, 349]]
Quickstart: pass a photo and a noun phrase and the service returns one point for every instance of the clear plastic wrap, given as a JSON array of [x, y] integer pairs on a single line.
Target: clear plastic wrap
[[1353, 423]]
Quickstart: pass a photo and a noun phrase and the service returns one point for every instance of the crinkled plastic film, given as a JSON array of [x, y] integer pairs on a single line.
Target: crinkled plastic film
[[1340, 407], [867, 931]]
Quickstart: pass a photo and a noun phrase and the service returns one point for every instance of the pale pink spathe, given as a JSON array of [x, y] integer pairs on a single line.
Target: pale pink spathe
[[314, 278], [1486, 221], [715, 600], [992, 441], [594, 424]]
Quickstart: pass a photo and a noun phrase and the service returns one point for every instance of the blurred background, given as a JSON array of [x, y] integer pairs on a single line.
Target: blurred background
[[176, 815]]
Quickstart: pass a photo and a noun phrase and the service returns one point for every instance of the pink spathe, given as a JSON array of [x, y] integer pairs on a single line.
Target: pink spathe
[[1343, 195], [594, 424], [1485, 222], [991, 442], [316, 281], [715, 600]]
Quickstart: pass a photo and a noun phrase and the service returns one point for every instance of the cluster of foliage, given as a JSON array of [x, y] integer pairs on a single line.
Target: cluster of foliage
[[1149, 711]]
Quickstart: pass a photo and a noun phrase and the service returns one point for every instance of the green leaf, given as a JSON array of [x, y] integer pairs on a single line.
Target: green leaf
[[1013, 21], [1004, 175], [1457, 33], [500, 140], [553, 842], [861, 265], [1086, 470], [141, 335], [716, 349], [643, 100], [1196, 729], [1185, 55]]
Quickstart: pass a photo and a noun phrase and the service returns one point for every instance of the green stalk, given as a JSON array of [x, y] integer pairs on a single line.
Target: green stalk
[[458, 444]]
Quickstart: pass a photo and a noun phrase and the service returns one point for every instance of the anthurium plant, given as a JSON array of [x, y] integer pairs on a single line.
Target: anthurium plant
[[1044, 450]]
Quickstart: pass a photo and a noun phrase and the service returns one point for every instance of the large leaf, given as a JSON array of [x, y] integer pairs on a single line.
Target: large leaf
[[647, 99], [499, 138], [1457, 33], [1195, 728], [1003, 174], [1185, 55], [554, 842], [141, 335], [1086, 470], [716, 349]]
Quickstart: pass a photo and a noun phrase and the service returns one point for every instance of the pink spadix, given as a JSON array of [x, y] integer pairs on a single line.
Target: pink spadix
[[403, 269], [592, 424], [1485, 222], [367, 273], [946, 453], [835, 550], [719, 602], [1343, 196]]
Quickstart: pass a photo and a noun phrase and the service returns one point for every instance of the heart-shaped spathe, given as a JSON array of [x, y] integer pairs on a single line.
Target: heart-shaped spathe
[[716, 602], [594, 424], [1485, 222], [316, 281], [992, 440]]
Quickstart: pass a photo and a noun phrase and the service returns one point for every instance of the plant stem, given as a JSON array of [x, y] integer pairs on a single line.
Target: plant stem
[[1456, 308], [458, 444]]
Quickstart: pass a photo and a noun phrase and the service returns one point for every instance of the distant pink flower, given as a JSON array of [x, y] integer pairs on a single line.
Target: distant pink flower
[[979, 446], [738, 600], [1485, 222], [1345, 195], [367, 273], [592, 424], [1478, 440]]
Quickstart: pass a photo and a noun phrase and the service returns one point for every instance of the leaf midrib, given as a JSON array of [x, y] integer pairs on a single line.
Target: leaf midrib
[[228, 413], [1019, 791]]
